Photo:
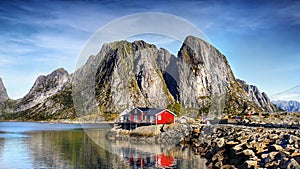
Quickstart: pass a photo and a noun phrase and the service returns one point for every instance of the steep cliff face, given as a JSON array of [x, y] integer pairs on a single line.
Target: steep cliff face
[[207, 81], [129, 76], [259, 98], [204, 74]]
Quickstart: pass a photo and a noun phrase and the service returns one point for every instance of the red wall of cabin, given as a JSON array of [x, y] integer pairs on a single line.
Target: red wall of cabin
[[140, 117], [166, 117]]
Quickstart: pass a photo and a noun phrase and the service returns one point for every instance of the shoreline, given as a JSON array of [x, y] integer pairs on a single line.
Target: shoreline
[[226, 145], [61, 121]]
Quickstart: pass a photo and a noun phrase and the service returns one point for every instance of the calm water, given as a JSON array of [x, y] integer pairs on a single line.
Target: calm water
[[44, 145]]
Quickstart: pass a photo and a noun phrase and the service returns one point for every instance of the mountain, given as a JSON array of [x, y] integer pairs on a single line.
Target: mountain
[[259, 98], [288, 100], [49, 98], [289, 106], [124, 75]]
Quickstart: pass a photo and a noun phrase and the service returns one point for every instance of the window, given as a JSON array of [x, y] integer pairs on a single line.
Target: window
[[159, 117], [135, 118], [151, 118]]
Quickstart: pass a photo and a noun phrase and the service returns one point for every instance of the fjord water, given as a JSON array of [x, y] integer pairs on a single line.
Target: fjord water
[[45, 145]]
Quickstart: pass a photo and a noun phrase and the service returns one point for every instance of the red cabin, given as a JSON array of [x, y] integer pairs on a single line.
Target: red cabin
[[147, 116]]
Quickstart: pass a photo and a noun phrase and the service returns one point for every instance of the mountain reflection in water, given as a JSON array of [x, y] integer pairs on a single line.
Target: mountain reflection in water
[[72, 147]]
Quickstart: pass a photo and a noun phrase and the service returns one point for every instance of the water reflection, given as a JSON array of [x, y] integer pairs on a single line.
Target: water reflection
[[73, 148], [143, 155]]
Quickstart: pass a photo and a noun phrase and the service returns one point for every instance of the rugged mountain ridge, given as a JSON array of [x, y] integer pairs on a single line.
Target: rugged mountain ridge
[[259, 98], [139, 74], [125, 75], [49, 98], [289, 106]]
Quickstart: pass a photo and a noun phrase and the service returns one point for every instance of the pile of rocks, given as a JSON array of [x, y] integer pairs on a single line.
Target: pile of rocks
[[245, 147], [224, 146], [160, 134]]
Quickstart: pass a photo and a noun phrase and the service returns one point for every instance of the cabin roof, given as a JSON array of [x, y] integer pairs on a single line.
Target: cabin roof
[[151, 111], [148, 111], [125, 113]]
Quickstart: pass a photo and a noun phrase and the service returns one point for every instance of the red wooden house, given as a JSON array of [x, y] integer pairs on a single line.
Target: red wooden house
[[146, 116]]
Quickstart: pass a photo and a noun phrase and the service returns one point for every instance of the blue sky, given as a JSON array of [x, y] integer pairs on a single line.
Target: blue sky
[[260, 39]]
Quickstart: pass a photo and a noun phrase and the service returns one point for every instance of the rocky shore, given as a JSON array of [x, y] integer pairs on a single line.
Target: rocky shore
[[246, 147], [224, 146]]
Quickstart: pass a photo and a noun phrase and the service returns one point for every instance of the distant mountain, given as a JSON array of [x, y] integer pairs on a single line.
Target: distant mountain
[[288, 100], [260, 98], [49, 98], [290, 106], [125, 75]]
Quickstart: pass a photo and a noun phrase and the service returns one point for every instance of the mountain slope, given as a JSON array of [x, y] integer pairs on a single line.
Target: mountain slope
[[49, 98], [210, 78], [260, 99], [289, 106]]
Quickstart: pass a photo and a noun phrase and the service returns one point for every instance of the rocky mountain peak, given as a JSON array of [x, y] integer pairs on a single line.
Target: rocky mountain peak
[[3, 92], [205, 72], [140, 44], [44, 87]]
